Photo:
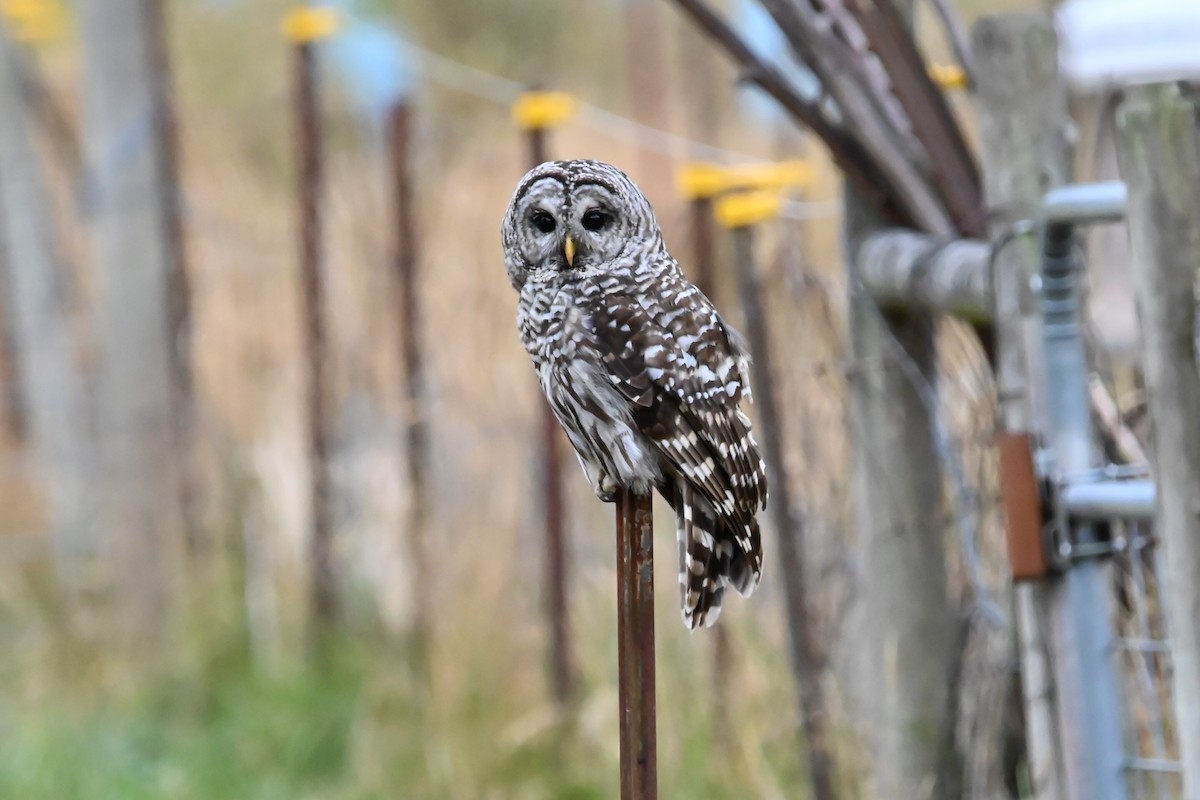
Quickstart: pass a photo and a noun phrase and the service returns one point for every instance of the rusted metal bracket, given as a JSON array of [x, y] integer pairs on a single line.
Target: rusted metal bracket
[[1042, 510], [1024, 514]]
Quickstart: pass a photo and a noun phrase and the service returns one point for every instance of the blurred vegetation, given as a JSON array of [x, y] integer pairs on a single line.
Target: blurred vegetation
[[230, 706], [356, 723]]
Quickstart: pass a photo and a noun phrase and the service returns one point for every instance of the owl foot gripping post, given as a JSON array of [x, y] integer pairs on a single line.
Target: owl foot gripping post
[[641, 371]]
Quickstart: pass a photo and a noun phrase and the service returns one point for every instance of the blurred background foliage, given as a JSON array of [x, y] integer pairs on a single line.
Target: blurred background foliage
[[233, 701]]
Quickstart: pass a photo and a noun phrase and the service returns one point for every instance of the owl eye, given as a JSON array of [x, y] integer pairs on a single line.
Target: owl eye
[[543, 221], [595, 219]]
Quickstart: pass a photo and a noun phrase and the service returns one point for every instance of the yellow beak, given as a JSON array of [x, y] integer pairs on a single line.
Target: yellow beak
[[569, 251]]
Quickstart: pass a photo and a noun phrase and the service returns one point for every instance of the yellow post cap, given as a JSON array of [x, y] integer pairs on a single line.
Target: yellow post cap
[[35, 20], [948, 76], [743, 209], [702, 180], [539, 110], [307, 24], [779, 175]]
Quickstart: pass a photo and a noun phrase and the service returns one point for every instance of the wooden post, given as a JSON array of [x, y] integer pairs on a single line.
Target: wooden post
[[139, 474], [537, 113], [304, 28], [903, 657], [1160, 161], [807, 658], [1023, 114], [906, 269], [408, 302], [52, 388], [635, 646], [904, 654]]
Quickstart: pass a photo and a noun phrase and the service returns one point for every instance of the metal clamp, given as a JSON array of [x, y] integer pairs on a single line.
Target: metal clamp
[[1096, 499]]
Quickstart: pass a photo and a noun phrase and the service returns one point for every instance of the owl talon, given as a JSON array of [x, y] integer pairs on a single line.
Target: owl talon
[[607, 490]]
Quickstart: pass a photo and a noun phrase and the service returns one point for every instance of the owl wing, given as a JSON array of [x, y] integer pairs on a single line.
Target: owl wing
[[683, 372]]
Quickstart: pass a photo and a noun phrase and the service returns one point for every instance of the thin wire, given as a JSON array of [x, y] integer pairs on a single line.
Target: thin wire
[[501, 90], [802, 210], [504, 91]]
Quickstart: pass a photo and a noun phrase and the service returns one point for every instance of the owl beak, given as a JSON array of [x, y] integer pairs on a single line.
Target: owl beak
[[569, 250]]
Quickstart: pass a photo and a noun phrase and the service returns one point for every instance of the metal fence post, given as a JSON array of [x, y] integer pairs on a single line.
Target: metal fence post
[[635, 646], [536, 112], [416, 432], [1088, 701], [304, 27], [740, 213]]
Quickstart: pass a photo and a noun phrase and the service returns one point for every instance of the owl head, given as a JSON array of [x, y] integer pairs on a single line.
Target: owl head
[[575, 216]]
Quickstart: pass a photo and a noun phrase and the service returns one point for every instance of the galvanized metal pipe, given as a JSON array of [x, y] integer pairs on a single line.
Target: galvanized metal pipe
[[1095, 757], [1103, 500], [1085, 202]]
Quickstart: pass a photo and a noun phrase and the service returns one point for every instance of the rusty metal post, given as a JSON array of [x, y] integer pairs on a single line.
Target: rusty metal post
[[702, 246], [635, 646], [179, 298], [562, 671], [308, 141], [12, 416], [408, 301], [740, 214], [701, 206]]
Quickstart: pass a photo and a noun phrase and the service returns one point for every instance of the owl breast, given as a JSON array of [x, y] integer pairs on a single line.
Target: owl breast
[[558, 333]]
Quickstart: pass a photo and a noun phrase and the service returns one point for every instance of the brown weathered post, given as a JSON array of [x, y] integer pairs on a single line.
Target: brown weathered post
[[635, 646], [740, 213], [304, 27], [1023, 112], [408, 301], [1159, 153], [536, 112]]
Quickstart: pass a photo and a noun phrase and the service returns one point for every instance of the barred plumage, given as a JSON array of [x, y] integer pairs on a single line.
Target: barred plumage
[[640, 369]]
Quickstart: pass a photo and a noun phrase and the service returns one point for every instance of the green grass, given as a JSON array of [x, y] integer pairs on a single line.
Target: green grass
[[234, 732], [358, 725]]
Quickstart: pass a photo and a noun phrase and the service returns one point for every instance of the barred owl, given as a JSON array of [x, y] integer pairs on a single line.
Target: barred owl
[[640, 369]]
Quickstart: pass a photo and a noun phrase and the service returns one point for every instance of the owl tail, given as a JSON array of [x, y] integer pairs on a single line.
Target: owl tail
[[709, 557]]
